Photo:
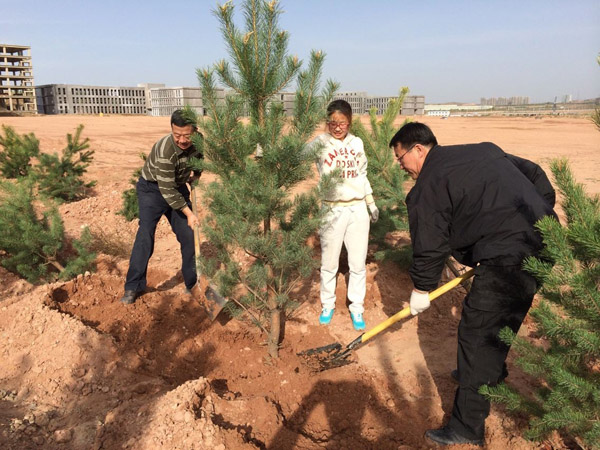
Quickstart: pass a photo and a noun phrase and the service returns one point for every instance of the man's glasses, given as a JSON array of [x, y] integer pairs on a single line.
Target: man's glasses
[[341, 125], [400, 158]]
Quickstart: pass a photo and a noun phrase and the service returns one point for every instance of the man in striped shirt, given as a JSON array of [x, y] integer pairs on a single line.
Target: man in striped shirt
[[162, 190]]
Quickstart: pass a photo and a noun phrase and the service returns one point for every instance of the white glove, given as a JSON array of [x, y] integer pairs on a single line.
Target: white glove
[[419, 302], [374, 212], [259, 151]]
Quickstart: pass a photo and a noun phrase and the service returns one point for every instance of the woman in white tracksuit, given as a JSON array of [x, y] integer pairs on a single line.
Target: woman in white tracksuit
[[351, 207]]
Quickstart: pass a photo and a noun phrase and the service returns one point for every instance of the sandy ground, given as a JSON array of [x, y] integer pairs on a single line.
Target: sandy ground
[[80, 370]]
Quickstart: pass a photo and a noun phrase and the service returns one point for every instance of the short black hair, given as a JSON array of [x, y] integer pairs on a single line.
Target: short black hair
[[340, 106], [413, 133], [180, 119]]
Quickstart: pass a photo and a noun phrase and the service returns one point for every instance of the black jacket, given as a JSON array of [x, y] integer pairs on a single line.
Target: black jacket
[[477, 203]]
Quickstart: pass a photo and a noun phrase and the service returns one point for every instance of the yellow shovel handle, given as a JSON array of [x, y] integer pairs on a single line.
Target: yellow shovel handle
[[406, 311], [196, 228]]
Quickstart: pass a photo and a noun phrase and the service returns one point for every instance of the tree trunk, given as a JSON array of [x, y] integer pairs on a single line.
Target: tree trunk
[[274, 333], [56, 264]]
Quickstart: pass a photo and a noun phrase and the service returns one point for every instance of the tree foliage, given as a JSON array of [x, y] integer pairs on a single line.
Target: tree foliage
[[386, 177], [596, 113], [567, 319], [255, 207], [61, 177], [130, 207], [15, 157], [33, 241]]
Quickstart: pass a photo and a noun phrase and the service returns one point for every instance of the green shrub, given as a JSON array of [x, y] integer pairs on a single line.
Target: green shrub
[[130, 207], [61, 177], [34, 242], [15, 158]]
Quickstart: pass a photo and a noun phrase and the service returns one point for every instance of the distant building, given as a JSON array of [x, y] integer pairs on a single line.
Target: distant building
[[357, 100], [414, 105], [362, 103], [447, 109], [567, 98], [287, 99], [438, 113], [147, 87], [80, 99], [165, 100], [502, 101], [17, 89]]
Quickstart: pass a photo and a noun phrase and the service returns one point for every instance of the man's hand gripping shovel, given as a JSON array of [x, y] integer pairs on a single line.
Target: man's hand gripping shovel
[[210, 300], [333, 355]]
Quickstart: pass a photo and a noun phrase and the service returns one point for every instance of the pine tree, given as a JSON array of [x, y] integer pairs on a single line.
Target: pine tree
[[386, 177], [34, 242], [256, 208], [61, 177], [15, 159], [567, 319], [130, 207], [596, 113]]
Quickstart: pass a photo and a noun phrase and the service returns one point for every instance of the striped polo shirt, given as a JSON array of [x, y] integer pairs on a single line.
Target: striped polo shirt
[[168, 166]]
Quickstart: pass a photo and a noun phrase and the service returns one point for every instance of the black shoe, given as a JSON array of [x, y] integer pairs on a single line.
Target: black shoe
[[447, 436], [129, 297]]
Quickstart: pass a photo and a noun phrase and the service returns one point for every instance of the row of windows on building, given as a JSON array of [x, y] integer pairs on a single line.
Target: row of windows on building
[[105, 101], [113, 92], [166, 93], [85, 109]]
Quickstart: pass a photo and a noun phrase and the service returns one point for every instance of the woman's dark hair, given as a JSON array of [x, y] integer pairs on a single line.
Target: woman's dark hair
[[413, 133], [341, 106]]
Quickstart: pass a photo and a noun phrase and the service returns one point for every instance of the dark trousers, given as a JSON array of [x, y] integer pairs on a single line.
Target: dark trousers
[[500, 297], [152, 207]]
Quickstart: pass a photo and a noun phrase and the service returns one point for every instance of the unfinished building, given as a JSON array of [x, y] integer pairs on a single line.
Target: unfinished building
[[17, 90], [165, 100], [80, 99], [362, 103]]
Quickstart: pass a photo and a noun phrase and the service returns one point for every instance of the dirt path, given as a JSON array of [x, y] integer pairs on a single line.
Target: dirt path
[[80, 370]]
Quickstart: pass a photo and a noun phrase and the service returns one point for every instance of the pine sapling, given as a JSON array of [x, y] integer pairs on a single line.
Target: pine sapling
[[61, 177], [596, 113], [33, 237], [259, 221], [386, 177], [17, 151], [130, 207]]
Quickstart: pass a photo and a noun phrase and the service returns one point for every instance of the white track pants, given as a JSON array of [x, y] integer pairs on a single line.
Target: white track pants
[[348, 225]]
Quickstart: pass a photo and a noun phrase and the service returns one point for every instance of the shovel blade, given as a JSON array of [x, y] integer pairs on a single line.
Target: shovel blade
[[211, 301], [326, 357]]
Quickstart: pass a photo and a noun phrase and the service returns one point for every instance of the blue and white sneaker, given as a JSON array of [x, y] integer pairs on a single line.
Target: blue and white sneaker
[[326, 315], [357, 321]]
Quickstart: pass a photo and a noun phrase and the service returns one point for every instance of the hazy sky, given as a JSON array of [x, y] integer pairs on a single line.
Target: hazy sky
[[458, 50]]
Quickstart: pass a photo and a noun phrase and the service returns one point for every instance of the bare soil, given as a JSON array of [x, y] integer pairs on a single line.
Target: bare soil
[[80, 370]]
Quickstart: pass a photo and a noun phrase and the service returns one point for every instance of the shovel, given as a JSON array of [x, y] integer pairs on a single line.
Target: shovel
[[211, 300], [332, 355]]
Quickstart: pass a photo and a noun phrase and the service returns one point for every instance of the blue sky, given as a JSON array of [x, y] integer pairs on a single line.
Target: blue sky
[[446, 50]]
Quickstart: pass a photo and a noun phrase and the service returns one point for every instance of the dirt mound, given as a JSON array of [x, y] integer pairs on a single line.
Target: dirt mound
[[85, 371]]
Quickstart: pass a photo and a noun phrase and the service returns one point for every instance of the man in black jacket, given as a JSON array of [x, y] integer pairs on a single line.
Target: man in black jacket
[[478, 204]]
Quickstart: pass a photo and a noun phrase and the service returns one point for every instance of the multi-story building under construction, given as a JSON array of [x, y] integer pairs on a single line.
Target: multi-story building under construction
[[17, 89]]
